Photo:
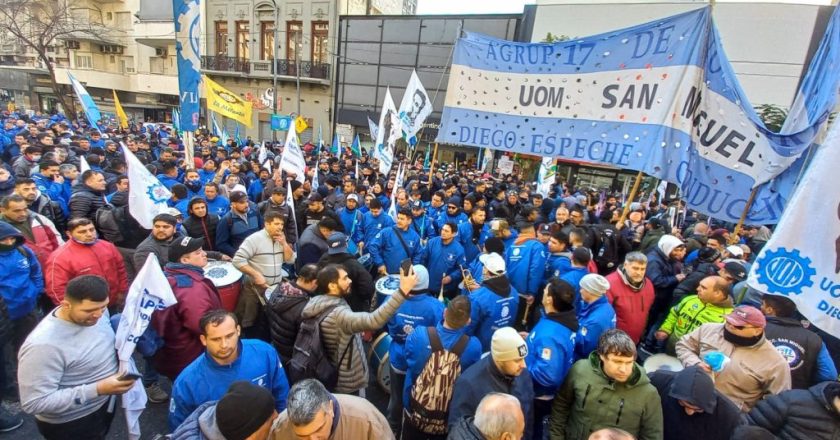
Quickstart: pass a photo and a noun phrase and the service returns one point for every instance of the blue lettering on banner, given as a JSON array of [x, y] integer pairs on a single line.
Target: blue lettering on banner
[[660, 97]]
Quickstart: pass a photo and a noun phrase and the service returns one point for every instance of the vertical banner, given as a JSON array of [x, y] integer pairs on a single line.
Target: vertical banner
[[121, 116], [414, 108], [387, 133], [548, 169], [802, 258], [188, 54]]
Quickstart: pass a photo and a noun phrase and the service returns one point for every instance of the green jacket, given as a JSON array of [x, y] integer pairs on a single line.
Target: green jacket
[[589, 400], [689, 314], [651, 239]]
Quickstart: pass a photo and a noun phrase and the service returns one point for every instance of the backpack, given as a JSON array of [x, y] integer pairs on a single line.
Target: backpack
[[606, 254], [428, 404], [310, 359], [107, 220]]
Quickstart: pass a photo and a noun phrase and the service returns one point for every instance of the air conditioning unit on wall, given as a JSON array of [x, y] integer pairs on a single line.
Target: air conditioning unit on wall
[[160, 52]]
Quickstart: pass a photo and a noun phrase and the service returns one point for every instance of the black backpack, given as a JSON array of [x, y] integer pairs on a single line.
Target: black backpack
[[310, 359], [606, 253], [107, 221]]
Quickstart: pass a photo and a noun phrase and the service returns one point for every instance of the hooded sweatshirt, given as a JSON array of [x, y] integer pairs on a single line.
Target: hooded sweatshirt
[[718, 418], [21, 280], [494, 306]]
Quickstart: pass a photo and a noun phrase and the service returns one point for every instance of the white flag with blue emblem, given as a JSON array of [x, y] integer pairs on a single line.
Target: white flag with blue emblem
[[802, 259], [292, 160], [146, 195], [414, 108]]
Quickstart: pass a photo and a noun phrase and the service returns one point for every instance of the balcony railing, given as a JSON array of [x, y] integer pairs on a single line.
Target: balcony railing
[[225, 64], [308, 69]]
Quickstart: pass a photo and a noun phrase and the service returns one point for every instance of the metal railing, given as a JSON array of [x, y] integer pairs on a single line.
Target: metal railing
[[225, 64], [308, 69]]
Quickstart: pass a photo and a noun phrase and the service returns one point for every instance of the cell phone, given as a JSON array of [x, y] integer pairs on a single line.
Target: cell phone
[[405, 266], [129, 376]]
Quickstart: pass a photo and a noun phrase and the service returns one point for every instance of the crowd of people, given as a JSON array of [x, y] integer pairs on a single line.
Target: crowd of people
[[501, 312]]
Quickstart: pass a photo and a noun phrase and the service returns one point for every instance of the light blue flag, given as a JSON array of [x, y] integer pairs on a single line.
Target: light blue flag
[[336, 146], [176, 120], [660, 97], [356, 147], [236, 136], [188, 55], [88, 106]]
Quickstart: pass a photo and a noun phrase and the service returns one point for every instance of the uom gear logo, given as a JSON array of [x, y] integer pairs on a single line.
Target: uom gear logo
[[785, 272]]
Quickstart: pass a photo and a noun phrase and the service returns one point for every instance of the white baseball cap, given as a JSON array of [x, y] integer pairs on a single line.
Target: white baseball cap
[[493, 262]]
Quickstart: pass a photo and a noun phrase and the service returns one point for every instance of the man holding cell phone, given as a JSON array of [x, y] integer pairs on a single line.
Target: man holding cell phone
[[67, 367]]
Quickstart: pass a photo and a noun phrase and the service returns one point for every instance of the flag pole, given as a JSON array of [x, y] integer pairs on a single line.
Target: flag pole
[[734, 237], [630, 198], [432, 165]]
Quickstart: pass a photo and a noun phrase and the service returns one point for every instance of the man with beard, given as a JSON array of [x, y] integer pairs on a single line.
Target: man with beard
[[472, 233], [227, 359], [755, 369], [315, 211], [235, 226], [162, 235], [39, 233], [277, 202], [340, 326], [631, 295], [362, 289], [67, 370], [88, 195], [192, 180]]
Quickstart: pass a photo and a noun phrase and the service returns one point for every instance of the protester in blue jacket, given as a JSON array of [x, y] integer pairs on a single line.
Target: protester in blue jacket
[[494, 304], [526, 261], [453, 213], [419, 309], [226, 360], [551, 347], [351, 217], [594, 313], [559, 260], [235, 226], [580, 260], [374, 222], [473, 232], [476, 268], [395, 244], [216, 204], [444, 257], [418, 347], [422, 223], [21, 280]]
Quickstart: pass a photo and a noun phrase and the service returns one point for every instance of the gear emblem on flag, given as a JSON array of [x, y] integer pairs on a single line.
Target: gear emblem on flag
[[785, 272], [158, 193]]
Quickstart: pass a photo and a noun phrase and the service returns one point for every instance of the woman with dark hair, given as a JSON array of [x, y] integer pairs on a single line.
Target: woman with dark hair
[[200, 223]]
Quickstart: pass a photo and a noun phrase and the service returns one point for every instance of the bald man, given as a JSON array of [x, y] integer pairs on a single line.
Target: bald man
[[611, 434], [498, 417], [710, 305]]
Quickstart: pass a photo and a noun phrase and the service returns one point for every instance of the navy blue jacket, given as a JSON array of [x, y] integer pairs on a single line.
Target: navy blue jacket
[[233, 230], [484, 378], [660, 271]]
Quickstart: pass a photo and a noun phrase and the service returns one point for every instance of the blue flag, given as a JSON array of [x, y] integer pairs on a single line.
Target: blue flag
[[88, 106], [188, 54], [336, 146], [236, 136], [356, 147], [660, 97]]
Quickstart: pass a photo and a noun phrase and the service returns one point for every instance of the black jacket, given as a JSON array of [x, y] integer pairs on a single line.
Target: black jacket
[[362, 288], [52, 210], [464, 429], [801, 345], [483, 378], [718, 419], [799, 414], [5, 322], [688, 286], [133, 234], [84, 201], [204, 227], [290, 223], [283, 310]]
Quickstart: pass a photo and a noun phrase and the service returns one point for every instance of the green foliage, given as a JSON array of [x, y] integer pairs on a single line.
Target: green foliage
[[551, 38]]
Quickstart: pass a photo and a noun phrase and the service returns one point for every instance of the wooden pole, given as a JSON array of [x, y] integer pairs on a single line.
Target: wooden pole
[[630, 198], [432, 165], [734, 237]]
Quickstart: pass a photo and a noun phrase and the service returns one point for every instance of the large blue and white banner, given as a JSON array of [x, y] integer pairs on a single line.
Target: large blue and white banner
[[188, 50], [660, 97], [802, 259], [88, 106]]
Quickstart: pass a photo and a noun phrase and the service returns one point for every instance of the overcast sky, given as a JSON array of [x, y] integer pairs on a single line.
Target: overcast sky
[[471, 6]]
